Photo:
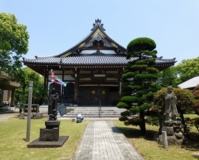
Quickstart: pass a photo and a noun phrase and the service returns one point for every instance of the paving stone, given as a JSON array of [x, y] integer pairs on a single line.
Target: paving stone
[[103, 141]]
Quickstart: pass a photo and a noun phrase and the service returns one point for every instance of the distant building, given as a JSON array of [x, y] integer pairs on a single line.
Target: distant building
[[7, 89], [92, 69], [190, 84]]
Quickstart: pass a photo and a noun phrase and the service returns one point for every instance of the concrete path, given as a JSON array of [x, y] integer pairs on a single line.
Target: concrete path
[[103, 141], [6, 116]]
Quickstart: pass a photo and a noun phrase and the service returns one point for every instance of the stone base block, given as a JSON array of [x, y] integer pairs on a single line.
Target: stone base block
[[169, 130], [41, 144], [49, 134], [21, 116]]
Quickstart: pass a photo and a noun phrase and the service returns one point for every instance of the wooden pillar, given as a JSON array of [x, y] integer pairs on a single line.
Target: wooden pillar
[[62, 91], [46, 78], [8, 95], [12, 98], [1, 97], [119, 84], [76, 89]]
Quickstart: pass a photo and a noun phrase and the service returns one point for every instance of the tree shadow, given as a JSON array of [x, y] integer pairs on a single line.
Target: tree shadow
[[191, 142], [135, 133]]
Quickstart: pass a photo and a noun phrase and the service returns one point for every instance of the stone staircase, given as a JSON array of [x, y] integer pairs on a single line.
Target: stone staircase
[[93, 112]]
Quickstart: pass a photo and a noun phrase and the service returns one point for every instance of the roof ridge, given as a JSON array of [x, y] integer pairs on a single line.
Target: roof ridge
[[96, 25]]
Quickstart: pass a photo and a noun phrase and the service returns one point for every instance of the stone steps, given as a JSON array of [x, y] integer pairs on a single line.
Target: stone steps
[[94, 112]]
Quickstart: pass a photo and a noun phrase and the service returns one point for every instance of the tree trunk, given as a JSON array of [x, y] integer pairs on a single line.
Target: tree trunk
[[183, 122], [181, 113], [142, 123]]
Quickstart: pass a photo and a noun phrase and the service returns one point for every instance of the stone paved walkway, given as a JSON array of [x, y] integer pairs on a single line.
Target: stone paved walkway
[[103, 141], [5, 116]]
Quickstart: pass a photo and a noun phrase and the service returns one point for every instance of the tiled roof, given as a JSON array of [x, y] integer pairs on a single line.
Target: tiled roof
[[191, 83], [89, 60], [89, 37]]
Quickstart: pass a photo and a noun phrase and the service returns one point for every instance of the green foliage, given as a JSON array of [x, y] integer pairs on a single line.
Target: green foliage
[[139, 67], [13, 43], [149, 96], [185, 100], [134, 109], [195, 122], [129, 99], [145, 106], [123, 118], [153, 120], [159, 97], [140, 93], [168, 77], [187, 69], [133, 121], [39, 92], [154, 87], [128, 75], [147, 61], [142, 43], [152, 70], [196, 99], [122, 105], [125, 113], [139, 82], [146, 77]]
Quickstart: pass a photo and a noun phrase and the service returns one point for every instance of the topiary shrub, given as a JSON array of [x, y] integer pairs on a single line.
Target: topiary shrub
[[139, 81]]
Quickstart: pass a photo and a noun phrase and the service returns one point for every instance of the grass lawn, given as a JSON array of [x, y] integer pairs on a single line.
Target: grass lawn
[[151, 150], [191, 116], [14, 147]]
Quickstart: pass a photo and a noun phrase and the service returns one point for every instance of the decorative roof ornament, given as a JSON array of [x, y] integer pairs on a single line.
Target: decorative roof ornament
[[98, 37], [98, 24], [97, 52]]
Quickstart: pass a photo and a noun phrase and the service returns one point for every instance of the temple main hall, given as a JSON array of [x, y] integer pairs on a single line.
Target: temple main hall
[[92, 69]]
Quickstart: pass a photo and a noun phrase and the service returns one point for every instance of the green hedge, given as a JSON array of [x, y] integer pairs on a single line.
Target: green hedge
[[129, 99]]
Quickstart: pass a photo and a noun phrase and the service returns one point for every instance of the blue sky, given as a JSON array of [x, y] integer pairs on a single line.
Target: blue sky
[[56, 26]]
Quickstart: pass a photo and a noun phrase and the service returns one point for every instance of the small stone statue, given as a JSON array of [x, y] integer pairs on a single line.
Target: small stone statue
[[170, 111], [52, 106]]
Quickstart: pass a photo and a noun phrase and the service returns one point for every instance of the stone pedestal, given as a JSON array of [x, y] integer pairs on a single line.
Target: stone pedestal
[[174, 130], [49, 136], [51, 132]]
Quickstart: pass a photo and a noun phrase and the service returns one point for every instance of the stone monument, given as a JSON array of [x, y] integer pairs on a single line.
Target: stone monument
[[172, 125], [49, 136], [51, 132]]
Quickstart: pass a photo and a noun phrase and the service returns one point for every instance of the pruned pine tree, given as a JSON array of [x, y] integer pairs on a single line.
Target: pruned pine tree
[[139, 82]]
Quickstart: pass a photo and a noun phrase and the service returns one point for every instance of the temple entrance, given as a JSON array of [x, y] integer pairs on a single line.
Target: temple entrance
[[68, 93], [98, 95]]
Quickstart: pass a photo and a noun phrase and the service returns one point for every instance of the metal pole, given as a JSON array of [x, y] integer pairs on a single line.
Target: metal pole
[[29, 111]]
